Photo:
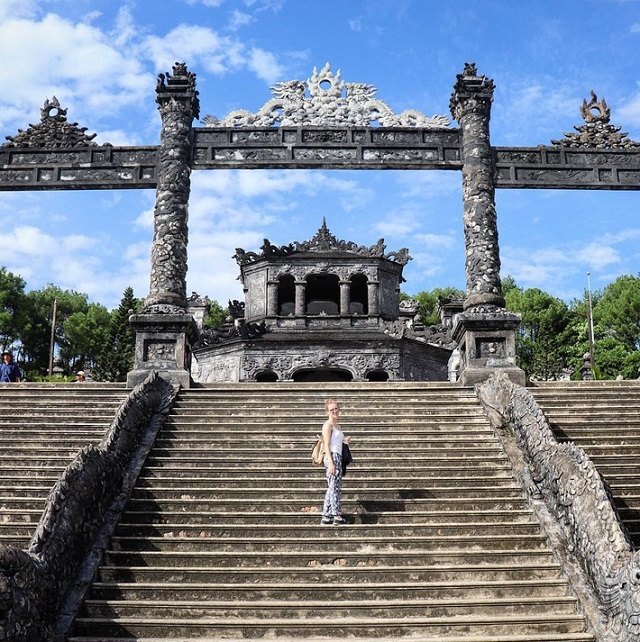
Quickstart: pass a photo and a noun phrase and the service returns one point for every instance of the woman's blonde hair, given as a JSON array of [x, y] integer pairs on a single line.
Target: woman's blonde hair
[[328, 402]]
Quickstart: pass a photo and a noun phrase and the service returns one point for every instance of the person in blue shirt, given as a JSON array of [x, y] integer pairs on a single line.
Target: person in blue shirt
[[9, 371]]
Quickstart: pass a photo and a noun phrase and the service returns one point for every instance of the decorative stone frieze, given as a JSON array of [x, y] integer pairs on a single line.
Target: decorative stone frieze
[[52, 131], [323, 241], [326, 100], [597, 132]]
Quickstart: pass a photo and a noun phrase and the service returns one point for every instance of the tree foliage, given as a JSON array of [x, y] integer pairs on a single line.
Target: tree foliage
[[216, 316], [12, 308], [551, 341], [618, 311], [84, 336], [545, 332], [35, 335], [428, 302], [117, 357]]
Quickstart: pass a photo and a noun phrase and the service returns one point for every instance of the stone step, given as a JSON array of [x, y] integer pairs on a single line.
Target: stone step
[[403, 557], [332, 574], [326, 539], [262, 497], [350, 504], [255, 458], [295, 423], [526, 624], [548, 637], [222, 537], [420, 412], [313, 488], [169, 485], [605, 422], [310, 515], [173, 476], [346, 607], [309, 530], [330, 593]]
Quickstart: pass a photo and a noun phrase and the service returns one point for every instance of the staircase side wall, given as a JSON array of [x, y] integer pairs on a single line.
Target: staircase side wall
[[33, 583], [566, 480]]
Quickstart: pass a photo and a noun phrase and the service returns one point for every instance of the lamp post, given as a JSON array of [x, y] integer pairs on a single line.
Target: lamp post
[[590, 322], [52, 342]]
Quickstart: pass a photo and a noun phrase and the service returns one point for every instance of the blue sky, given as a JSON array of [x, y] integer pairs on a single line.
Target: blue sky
[[100, 58]]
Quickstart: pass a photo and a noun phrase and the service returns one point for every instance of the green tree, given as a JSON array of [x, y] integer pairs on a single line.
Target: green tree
[[35, 334], [508, 283], [545, 332], [13, 308], [216, 316], [117, 357], [618, 310], [428, 302], [84, 336]]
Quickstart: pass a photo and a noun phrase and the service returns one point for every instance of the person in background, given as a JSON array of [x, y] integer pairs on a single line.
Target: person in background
[[81, 377], [333, 438], [9, 371]]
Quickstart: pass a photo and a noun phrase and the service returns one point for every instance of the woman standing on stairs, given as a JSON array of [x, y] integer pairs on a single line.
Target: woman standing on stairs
[[333, 438]]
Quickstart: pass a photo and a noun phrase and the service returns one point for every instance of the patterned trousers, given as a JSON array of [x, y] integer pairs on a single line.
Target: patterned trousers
[[333, 496]]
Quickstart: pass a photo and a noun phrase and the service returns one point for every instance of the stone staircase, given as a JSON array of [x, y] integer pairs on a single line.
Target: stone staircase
[[603, 418], [221, 539], [42, 427]]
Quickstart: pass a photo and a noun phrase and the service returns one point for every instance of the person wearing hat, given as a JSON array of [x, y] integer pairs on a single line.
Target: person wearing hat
[[9, 371], [81, 377]]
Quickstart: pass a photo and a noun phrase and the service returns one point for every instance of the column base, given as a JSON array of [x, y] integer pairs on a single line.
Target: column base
[[487, 343], [163, 344]]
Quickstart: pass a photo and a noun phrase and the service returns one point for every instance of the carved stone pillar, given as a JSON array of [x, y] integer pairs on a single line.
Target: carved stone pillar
[[300, 297], [373, 296], [485, 331], [345, 297], [272, 298], [177, 101], [164, 331], [471, 107]]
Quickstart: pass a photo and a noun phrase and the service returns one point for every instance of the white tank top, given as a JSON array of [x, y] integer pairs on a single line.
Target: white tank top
[[335, 444]]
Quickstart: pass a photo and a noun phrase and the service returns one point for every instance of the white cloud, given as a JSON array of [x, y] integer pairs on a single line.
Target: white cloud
[[77, 63], [435, 241], [597, 256], [196, 45], [12, 9], [240, 19], [629, 115], [265, 65], [428, 184]]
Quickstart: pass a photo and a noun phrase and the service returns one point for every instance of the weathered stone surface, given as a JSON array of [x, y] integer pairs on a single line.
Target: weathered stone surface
[[576, 495], [177, 100], [471, 107], [597, 132], [33, 584], [53, 130], [329, 102]]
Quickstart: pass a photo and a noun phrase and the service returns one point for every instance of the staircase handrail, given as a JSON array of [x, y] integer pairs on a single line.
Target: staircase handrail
[[34, 583], [576, 495]]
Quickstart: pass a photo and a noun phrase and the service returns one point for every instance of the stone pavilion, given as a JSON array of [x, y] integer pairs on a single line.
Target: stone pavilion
[[322, 310]]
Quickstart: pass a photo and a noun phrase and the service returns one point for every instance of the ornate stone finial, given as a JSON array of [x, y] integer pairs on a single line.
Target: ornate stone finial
[[323, 241], [597, 132], [52, 131], [180, 84], [331, 102], [471, 91]]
